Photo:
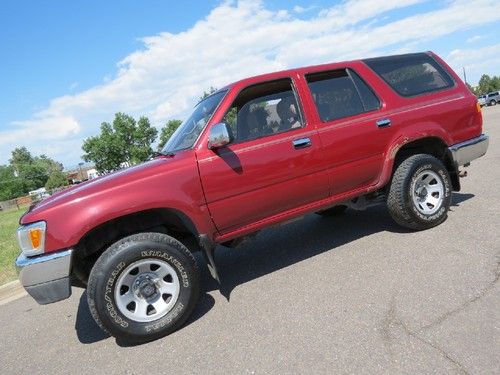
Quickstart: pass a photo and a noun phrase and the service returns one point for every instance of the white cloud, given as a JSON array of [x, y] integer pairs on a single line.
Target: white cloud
[[474, 39], [164, 78], [476, 61], [300, 9]]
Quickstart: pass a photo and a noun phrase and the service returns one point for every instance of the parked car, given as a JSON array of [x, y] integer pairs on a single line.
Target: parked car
[[493, 98], [482, 100], [258, 152]]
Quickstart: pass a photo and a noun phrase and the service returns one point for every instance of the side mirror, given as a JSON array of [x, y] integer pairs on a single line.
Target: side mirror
[[219, 136]]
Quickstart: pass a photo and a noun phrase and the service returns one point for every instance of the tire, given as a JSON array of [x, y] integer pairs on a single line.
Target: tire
[[420, 193], [493, 102], [128, 295], [333, 211]]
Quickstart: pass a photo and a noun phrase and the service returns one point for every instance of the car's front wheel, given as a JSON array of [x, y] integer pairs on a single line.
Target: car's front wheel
[[143, 287], [420, 192]]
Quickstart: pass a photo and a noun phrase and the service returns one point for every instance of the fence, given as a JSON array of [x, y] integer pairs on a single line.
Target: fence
[[17, 202]]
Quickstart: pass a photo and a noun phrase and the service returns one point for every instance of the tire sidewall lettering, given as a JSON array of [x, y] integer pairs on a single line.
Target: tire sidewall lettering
[[108, 296], [178, 308], [171, 260]]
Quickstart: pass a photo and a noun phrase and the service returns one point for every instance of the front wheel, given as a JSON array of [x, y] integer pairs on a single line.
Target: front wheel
[[143, 287], [420, 192], [493, 102]]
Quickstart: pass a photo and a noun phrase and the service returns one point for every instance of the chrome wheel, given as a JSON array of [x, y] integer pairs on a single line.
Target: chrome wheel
[[147, 290], [427, 192]]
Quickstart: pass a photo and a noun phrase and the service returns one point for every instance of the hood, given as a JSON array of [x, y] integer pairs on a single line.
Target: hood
[[115, 180]]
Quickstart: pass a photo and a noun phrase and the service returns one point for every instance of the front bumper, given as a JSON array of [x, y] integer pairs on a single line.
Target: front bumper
[[46, 277], [464, 152]]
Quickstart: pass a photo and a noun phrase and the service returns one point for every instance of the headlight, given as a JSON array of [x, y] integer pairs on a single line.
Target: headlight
[[31, 238]]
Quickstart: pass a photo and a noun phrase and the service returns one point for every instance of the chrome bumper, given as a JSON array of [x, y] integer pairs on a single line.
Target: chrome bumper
[[46, 277], [464, 152]]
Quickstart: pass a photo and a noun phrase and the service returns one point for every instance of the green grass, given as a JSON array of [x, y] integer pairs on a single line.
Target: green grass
[[9, 249]]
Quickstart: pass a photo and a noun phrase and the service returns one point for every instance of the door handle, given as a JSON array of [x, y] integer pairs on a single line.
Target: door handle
[[384, 123], [301, 143]]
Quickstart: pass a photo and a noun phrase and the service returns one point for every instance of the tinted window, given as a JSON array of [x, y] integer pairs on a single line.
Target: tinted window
[[411, 74], [370, 101], [336, 94], [264, 109]]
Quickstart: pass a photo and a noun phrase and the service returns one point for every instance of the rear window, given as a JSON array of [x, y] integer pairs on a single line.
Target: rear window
[[412, 74]]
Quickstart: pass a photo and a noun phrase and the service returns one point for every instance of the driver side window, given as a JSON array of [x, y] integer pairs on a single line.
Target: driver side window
[[264, 109]]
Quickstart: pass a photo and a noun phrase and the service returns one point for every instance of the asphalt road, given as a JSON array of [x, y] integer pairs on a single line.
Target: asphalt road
[[354, 294]]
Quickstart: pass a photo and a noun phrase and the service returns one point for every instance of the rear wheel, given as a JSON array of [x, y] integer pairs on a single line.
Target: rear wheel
[[143, 287], [493, 102], [420, 192]]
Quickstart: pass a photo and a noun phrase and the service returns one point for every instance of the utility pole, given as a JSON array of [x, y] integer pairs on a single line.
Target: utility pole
[[465, 75]]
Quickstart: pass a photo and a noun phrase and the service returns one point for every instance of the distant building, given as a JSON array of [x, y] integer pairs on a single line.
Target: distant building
[[38, 194], [82, 172]]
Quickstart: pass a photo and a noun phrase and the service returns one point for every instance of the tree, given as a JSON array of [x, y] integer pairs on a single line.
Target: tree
[[206, 94], [21, 157], [125, 141], [488, 84], [56, 179], [10, 185], [167, 131], [25, 172], [33, 172]]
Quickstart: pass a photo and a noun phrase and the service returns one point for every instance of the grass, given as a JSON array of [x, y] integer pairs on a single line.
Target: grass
[[9, 249]]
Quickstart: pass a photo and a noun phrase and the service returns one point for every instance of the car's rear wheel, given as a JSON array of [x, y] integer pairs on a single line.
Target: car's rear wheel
[[493, 102], [143, 287], [420, 192]]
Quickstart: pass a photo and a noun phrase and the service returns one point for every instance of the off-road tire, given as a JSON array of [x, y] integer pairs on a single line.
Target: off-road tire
[[400, 199], [107, 270]]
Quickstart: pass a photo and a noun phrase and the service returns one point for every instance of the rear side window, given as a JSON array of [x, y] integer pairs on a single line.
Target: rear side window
[[412, 74], [340, 93]]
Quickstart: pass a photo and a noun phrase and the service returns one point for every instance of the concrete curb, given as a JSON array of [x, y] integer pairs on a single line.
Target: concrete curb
[[11, 291]]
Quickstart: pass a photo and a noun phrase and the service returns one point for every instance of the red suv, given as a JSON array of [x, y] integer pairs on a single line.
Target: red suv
[[256, 153]]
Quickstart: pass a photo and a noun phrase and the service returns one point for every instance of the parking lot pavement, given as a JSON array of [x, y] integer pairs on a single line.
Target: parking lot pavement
[[353, 294]]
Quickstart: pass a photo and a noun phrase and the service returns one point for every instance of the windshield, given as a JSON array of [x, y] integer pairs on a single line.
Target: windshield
[[187, 133]]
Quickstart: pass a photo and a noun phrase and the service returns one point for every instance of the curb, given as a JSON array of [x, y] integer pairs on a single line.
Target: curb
[[11, 291]]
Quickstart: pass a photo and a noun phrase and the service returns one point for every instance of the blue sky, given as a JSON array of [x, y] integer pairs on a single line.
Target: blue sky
[[69, 65]]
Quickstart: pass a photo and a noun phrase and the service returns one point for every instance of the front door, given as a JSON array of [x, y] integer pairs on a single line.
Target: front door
[[272, 164]]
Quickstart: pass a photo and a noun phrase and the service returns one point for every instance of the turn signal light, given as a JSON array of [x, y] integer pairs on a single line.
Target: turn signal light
[[35, 236]]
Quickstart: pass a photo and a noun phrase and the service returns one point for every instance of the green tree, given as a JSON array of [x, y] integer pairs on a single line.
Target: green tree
[[210, 91], [20, 158], [124, 141], [10, 185], [32, 171], [167, 131], [25, 172], [487, 84], [56, 179]]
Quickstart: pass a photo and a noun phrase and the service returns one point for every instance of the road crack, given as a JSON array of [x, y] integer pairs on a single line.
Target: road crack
[[391, 322], [468, 302]]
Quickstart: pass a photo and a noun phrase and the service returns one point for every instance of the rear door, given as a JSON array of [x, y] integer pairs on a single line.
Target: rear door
[[272, 164], [352, 127]]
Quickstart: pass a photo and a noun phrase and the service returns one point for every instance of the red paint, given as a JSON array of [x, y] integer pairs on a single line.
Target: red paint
[[248, 186]]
